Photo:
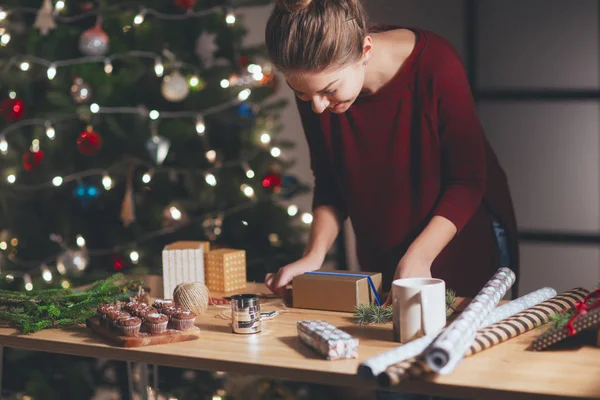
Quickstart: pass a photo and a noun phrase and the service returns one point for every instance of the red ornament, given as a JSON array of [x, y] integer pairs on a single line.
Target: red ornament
[[272, 181], [32, 159], [89, 142], [117, 263], [12, 109], [186, 4]]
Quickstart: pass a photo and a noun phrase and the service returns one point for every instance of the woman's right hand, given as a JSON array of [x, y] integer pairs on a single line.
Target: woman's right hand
[[277, 282]]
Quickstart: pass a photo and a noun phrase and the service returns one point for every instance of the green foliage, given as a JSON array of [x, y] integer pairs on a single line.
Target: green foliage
[[34, 311], [371, 313]]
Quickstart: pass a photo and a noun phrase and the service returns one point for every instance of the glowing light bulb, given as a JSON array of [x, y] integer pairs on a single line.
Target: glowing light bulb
[[11, 178], [57, 180], [210, 179], [80, 240], [200, 126], [147, 177], [60, 5], [107, 182], [108, 67], [250, 173], [51, 72], [3, 145], [248, 191], [211, 156], [159, 68], [194, 81], [5, 39], [50, 132], [3, 14], [175, 213], [154, 115], [292, 210], [134, 256], [28, 284], [65, 284], [230, 17], [46, 274], [24, 66], [244, 94], [224, 83], [35, 146], [307, 218], [275, 152], [3, 245], [139, 18], [94, 108], [12, 94], [265, 138]]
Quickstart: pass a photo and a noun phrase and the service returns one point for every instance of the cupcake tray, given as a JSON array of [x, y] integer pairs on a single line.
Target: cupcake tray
[[142, 338]]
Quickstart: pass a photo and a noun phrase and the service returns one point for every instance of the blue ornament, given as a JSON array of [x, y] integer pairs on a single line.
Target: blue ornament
[[245, 110], [289, 186], [86, 193]]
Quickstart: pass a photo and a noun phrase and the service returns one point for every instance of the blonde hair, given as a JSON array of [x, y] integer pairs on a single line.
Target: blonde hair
[[312, 35]]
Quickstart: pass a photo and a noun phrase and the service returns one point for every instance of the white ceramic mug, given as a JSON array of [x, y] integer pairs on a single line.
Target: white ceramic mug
[[419, 306]]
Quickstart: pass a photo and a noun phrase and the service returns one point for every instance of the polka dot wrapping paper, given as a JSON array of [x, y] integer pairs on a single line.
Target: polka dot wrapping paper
[[330, 342], [451, 344], [490, 336]]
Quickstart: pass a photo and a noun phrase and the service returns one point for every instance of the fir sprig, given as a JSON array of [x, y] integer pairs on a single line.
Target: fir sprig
[[34, 311], [371, 313]]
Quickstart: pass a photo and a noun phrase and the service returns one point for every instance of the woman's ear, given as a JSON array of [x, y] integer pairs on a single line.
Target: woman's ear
[[367, 50]]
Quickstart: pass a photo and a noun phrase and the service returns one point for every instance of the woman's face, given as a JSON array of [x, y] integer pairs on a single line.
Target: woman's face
[[331, 90]]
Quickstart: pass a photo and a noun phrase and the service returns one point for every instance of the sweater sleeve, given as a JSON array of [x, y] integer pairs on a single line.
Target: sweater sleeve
[[463, 163], [326, 190]]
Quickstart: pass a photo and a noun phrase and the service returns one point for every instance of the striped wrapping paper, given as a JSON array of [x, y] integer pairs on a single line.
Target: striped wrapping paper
[[453, 342], [372, 367], [486, 338]]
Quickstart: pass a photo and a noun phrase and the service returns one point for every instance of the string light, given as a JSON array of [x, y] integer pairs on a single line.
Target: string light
[[134, 256], [50, 132], [194, 81], [35, 146], [147, 177], [3, 14], [200, 126], [108, 67], [307, 218], [10, 278], [154, 115], [3, 145], [244, 94], [5, 39], [247, 190], [210, 179], [175, 213], [292, 210], [24, 66], [230, 17], [140, 17], [46, 273], [12, 94], [65, 284], [211, 156], [3, 245], [80, 240], [51, 72], [28, 284], [11, 178], [225, 83], [94, 108], [107, 182], [275, 152], [159, 68], [265, 138], [57, 181], [248, 170], [59, 6]]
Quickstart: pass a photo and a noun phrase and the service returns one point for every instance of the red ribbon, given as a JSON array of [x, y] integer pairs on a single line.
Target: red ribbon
[[590, 302]]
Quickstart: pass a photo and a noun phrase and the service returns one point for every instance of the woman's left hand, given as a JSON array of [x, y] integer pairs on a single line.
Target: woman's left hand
[[410, 267]]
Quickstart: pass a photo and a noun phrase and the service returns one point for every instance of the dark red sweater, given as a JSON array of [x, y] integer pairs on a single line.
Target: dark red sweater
[[413, 150]]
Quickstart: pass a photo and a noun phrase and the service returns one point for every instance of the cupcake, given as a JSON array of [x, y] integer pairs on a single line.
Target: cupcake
[[156, 323], [160, 304], [171, 310], [131, 306], [103, 312], [113, 316], [183, 320], [142, 312], [129, 326]]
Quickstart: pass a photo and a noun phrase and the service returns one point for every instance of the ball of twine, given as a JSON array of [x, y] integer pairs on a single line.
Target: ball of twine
[[193, 296]]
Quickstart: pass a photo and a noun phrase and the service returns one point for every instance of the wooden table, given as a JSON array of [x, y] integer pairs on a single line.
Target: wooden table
[[503, 371]]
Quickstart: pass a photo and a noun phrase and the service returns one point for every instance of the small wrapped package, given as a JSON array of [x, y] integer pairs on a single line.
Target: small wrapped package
[[183, 262], [226, 270], [329, 341], [335, 290]]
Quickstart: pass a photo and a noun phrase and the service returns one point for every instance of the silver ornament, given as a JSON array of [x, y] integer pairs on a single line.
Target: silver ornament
[[72, 262], [205, 48], [80, 91], [175, 87], [94, 42], [158, 147]]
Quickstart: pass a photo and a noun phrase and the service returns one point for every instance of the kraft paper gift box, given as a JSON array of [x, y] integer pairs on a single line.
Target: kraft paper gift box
[[335, 290], [226, 270], [183, 261], [329, 341]]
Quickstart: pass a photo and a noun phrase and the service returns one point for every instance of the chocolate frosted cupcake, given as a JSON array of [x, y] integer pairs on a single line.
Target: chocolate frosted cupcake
[[156, 323], [183, 320], [129, 326], [160, 304], [103, 312], [171, 310], [113, 316], [131, 306], [143, 312]]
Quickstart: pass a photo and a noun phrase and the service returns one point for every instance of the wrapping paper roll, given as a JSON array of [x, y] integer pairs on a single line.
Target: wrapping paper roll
[[452, 343], [502, 331], [372, 367]]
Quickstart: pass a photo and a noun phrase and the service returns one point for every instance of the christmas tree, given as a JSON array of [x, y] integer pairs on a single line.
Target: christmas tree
[[128, 125]]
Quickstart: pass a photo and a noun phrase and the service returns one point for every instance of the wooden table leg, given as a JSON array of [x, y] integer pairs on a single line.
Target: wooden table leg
[[155, 379], [130, 379]]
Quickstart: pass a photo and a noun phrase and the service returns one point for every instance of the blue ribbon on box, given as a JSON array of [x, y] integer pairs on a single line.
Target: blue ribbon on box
[[371, 284]]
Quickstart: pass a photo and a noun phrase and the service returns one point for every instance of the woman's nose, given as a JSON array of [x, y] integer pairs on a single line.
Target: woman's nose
[[319, 104]]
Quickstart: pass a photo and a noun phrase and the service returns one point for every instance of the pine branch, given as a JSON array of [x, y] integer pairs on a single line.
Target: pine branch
[[34, 311]]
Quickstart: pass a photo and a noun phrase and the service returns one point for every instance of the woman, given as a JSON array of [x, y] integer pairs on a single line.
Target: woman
[[396, 145]]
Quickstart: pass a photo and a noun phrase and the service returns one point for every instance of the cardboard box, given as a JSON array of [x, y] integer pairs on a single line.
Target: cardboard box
[[338, 292], [183, 262], [226, 270]]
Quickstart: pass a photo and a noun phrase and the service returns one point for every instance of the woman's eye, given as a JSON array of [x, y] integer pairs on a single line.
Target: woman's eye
[[331, 92]]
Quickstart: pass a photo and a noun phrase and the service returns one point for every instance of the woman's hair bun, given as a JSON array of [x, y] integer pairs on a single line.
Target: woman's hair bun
[[293, 5]]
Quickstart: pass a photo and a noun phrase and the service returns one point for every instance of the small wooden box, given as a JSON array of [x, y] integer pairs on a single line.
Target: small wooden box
[[226, 270], [183, 262]]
